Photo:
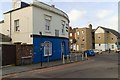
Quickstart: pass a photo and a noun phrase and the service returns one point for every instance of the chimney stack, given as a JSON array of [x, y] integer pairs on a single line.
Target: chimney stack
[[90, 26], [16, 4], [53, 6]]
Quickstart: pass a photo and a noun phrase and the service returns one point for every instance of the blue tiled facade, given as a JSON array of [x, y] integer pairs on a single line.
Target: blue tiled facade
[[56, 48]]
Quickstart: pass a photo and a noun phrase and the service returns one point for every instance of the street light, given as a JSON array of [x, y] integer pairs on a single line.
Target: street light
[[41, 47]]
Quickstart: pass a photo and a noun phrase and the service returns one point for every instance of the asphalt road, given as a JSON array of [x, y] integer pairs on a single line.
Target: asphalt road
[[101, 66]]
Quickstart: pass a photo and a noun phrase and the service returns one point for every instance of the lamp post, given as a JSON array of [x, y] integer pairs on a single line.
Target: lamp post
[[41, 47]]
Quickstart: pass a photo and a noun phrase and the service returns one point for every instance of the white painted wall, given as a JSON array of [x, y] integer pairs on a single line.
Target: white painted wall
[[102, 47], [6, 24], [99, 30], [56, 22], [25, 25], [25, 21], [115, 46], [32, 21], [1, 25]]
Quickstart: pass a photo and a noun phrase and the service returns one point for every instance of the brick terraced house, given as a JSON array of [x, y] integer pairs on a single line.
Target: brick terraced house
[[106, 39]]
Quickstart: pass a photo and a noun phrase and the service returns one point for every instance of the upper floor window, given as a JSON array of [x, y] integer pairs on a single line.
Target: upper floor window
[[56, 32], [98, 37], [63, 27], [47, 48], [70, 34], [47, 22], [82, 32], [112, 46], [16, 25], [78, 33], [71, 40]]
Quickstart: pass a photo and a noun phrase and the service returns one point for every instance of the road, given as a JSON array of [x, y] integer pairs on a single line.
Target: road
[[100, 66]]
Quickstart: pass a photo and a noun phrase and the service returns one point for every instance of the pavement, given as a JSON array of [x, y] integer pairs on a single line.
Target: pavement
[[100, 66], [18, 69], [6, 70]]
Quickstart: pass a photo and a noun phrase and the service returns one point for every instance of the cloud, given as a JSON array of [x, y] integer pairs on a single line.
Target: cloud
[[111, 22], [80, 0], [76, 15], [1, 13], [103, 13]]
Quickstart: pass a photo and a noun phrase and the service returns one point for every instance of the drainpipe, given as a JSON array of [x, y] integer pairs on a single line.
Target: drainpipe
[[10, 24]]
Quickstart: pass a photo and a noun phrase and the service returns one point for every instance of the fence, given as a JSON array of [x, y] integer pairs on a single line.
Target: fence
[[8, 54], [17, 54], [73, 57]]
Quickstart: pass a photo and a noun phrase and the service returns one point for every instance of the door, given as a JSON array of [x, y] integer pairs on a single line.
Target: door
[[62, 49]]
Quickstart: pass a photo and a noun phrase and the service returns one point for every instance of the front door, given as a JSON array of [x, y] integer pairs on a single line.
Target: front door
[[62, 49]]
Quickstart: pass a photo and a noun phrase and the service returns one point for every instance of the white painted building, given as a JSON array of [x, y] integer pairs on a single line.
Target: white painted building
[[27, 19]]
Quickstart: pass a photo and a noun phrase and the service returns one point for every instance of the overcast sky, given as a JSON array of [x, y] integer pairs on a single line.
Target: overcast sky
[[81, 12]]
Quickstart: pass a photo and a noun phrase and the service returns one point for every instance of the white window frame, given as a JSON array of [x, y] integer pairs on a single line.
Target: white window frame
[[47, 22], [63, 27], [47, 25], [56, 32], [78, 33], [70, 34], [113, 46], [16, 25], [77, 47], [82, 32], [47, 48]]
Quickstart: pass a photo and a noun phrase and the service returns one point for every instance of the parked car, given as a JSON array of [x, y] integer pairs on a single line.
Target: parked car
[[89, 52], [97, 51], [118, 51]]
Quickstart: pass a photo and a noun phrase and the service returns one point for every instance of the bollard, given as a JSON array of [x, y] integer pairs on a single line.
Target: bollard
[[48, 59], [82, 56], [68, 58], [63, 60], [76, 57], [86, 56]]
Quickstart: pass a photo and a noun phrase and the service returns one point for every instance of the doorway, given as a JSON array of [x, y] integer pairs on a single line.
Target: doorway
[[62, 49]]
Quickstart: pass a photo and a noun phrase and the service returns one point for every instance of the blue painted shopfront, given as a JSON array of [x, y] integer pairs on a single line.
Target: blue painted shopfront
[[59, 46]]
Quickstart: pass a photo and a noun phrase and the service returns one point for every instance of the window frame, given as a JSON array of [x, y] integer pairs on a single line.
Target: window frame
[[16, 25], [78, 33], [49, 48], [56, 32], [47, 24], [70, 34], [99, 44], [113, 46], [63, 27], [82, 32]]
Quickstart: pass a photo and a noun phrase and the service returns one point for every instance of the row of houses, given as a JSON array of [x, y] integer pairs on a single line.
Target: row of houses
[[37, 24], [101, 38]]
